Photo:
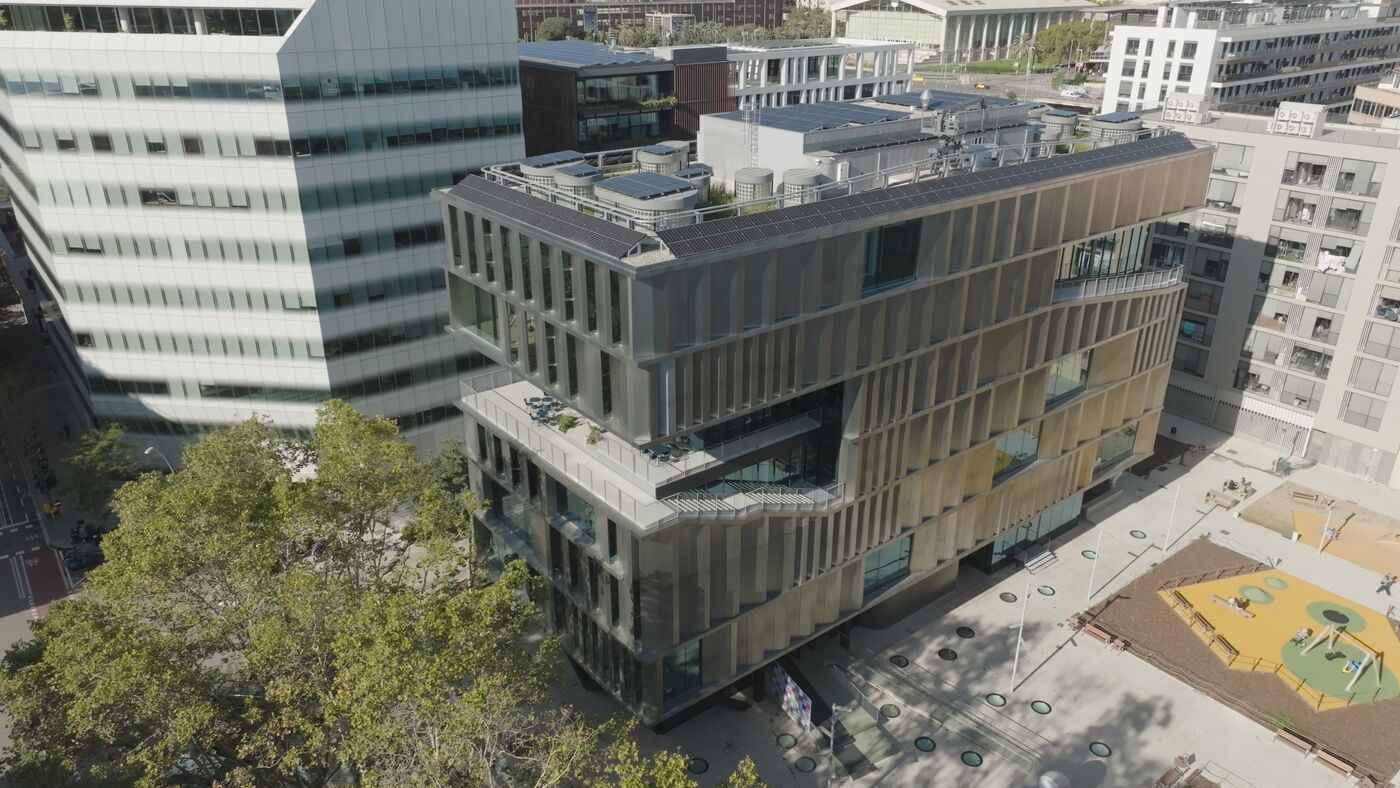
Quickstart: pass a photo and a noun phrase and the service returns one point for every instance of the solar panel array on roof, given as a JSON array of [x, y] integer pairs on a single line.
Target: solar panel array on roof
[[821, 115], [599, 235], [1116, 117], [552, 159], [660, 150], [582, 54], [873, 141], [695, 170], [726, 233], [1061, 113], [646, 185], [580, 169], [941, 98]]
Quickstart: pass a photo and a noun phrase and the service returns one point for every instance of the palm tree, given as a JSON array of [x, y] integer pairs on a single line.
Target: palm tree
[[1023, 47]]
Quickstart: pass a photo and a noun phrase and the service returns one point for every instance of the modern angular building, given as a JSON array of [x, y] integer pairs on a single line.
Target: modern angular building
[[722, 431], [1240, 55], [958, 31], [229, 207], [1291, 329], [1377, 105]]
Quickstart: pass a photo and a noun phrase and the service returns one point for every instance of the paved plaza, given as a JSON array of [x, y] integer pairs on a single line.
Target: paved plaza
[[1072, 692]]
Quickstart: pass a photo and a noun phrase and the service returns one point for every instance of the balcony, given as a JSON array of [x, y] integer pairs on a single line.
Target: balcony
[[1216, 238], [1289, 250], [1308, 176], [1116, 285], [1346, 220], [1348, 183], [1310, 362], [1388, 309], [625, 477]]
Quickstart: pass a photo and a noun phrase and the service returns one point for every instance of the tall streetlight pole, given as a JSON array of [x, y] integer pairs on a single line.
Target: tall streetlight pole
[[153, 450], [1020, 629], [1168, 539]]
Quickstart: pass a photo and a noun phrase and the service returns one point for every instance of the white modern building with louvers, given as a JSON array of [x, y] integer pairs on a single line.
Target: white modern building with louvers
[[227, 206], [1239, 55]]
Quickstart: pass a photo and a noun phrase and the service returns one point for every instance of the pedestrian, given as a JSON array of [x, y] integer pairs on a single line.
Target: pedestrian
[[1386, 583]]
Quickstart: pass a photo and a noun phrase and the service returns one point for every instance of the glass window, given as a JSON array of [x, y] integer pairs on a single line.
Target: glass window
[[566, 266], [590, 294], [474, 309], [1233, 159], [887, 566], [1195, 328], [574, 508], [891, 255], [1115, 447], [605, 362], [1373, 376], [1191, 360], [1067, 377], [1016, 450], [680, 671], [1363, 411]]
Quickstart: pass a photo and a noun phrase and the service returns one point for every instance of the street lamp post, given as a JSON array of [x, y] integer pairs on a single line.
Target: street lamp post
[[1326, 528], [1020, 629], [153, 450]]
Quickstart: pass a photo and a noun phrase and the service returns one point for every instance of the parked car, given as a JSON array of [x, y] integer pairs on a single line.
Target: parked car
[[1074, 93], [981, 86]]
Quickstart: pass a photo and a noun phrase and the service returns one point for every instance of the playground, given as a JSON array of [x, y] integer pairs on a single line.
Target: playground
[[1280, 650], [1331, 651], [1364, 537]]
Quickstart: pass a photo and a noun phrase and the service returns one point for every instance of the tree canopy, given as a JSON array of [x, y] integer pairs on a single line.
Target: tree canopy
[[101, 462], [1059, 43], [555, 28], [801, 23], [293, 614]]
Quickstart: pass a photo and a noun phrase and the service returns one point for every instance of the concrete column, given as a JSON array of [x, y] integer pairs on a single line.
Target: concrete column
[[201, 27], [124, 19], [996, 37]]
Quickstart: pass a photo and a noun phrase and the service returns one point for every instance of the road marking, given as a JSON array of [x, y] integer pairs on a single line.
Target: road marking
[[26, 591]]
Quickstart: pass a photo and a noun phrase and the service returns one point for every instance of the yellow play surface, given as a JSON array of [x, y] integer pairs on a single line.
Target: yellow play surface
[[1281, 605], [1366, 544]]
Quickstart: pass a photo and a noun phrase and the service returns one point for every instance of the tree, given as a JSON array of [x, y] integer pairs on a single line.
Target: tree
[[1061, 43], [624, 767], [555, 28], [289, 613], [637, 36], [101, 462], [806, 22]]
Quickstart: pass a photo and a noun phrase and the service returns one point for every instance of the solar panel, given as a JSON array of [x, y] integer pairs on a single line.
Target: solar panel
[[552, 159], [941, 98], [582, 54], [695, 170], [1061, 113], [579, 169], [821, 115], [599, 235], [1116, 117], [660, 150], [725, 233], [646, 185]]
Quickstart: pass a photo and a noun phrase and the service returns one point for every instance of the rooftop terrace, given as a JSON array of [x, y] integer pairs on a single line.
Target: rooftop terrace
[[647, 237]]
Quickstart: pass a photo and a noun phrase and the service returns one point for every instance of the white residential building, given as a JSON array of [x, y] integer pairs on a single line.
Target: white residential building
[[780, 73], [958, 31], [1249, 54], [1291, 328], [229, 206]]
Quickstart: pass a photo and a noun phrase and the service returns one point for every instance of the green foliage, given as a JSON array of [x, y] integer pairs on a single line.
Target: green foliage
[[626, 768], [802, 23], [101, 462], [567, 422], [595, 434], [282, 612], [1059, 43], [555, 28], [4, 19]]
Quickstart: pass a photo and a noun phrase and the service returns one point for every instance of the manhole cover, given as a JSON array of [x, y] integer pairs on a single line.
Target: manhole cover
[[787, 741], [1161, 467], [971, 758], [1100, 749], [924, 744], [889, 710], [1090, 554], [1136, 534], [805, 764], [1040, 707], [1046, 591], [996, 699], [697, 766], [899, 661], [947, 654], [966, 632], [1006, 596]]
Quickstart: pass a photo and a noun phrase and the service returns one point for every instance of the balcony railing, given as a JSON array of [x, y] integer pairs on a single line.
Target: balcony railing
[[1117, 284], [599, 478]]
